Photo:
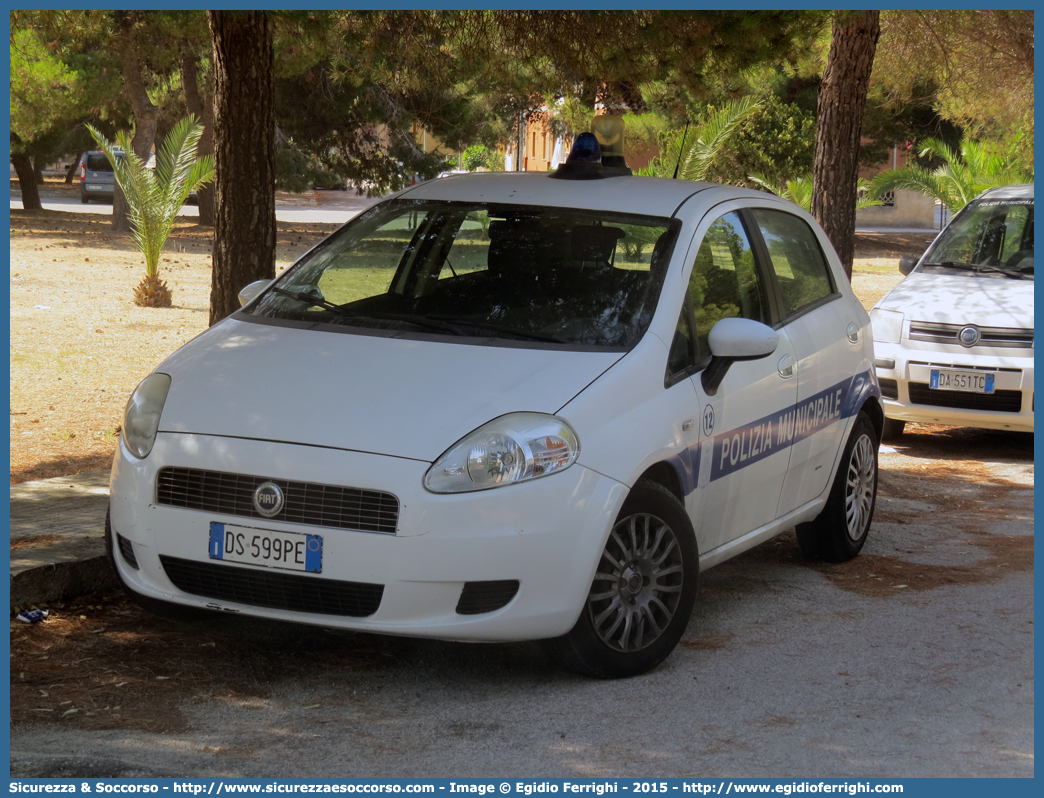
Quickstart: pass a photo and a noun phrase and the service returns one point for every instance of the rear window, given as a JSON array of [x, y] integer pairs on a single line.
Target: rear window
[[98, 162], [512, 273]]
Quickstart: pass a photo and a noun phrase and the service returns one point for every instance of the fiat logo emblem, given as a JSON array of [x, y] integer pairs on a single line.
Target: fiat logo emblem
[[969, 336], [268, 499]]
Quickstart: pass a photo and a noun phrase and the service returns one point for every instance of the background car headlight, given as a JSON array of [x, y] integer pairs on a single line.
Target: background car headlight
[[142, 416], [887, 324], [513, 448]]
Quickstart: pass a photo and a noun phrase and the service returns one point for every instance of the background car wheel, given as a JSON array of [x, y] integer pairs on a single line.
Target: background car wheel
[[840, 530], [643, 590], [165, 609], [85, 200], [893, 429]]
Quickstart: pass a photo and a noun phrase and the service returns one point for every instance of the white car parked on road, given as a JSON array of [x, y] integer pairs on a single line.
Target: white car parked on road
[[954, 340], [505, 407]]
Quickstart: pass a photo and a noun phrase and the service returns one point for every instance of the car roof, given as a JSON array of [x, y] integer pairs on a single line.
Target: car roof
[[1009, 192], [649, 196]]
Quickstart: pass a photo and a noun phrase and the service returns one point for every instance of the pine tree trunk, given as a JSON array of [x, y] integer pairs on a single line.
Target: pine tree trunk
[[23, 165], [839, 123], [70, 173], [202, 107], [145, 113], [245, 229], [208, 194], [38, 172]]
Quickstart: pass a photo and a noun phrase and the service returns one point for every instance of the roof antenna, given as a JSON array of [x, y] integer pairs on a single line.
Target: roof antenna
[[681, 151]]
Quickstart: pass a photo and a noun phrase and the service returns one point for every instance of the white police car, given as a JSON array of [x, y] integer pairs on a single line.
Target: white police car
[[508, 407], [954, 340]]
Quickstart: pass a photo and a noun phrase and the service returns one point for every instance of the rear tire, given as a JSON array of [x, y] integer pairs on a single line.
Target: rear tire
[[643, 591], [893, 429], [84, 199], [839, 531], [164, 609]]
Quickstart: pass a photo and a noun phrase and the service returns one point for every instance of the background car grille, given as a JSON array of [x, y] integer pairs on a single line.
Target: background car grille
[[305, 502], [997, 402], [272, 589], [479, 597], [933, 332]]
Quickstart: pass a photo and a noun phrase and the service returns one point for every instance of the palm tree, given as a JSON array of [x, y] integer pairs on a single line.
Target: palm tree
[[156, 195], [960, 179], [799, 191], [701, 146]]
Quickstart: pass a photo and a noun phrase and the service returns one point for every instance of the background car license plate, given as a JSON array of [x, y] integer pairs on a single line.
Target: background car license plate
[[291, 551], [966, 381]]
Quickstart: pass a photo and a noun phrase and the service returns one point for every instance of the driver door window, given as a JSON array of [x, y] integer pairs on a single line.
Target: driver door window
[[724, 282]]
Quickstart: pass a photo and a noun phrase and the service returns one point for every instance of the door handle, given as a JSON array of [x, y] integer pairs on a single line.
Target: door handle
[[853, 332], [786, 367]]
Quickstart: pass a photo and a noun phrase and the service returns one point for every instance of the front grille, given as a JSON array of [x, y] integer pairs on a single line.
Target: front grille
[[889, 388], [934, 332], [127, 550], [997, 402], [272, 589], [304, 502], [479, 597]]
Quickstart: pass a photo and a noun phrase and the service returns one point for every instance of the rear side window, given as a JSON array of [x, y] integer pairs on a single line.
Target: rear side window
[[796, 258], [98, 162]]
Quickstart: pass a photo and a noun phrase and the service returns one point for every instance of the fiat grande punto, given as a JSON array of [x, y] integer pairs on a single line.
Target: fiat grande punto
[[505, 407]]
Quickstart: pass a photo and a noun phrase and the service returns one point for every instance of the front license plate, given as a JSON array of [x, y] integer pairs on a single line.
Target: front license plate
[[966, 381], [290, 551]]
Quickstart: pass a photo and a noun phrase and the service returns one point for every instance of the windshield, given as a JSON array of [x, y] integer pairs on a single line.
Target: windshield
[[510, 273], [990, 236]]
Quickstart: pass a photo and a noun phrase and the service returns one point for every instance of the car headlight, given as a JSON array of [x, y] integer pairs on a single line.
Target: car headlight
[[888, 325], [142, 416], [513, 448]]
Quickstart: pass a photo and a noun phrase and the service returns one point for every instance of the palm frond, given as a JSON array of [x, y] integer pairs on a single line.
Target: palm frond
[[713, 134], [155, 196]]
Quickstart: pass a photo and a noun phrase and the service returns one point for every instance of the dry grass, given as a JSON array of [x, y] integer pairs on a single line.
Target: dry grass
[[79, 345]]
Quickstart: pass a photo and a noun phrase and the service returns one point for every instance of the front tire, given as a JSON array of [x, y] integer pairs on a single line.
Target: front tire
[[643, 590], [839, 531]]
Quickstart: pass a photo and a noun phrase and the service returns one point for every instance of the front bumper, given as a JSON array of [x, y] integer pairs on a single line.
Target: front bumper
[[907, 397], [547, 534]]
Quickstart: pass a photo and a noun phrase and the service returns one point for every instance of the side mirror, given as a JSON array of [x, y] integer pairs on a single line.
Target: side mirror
[[251, 292], [735, 339], [906, 264]]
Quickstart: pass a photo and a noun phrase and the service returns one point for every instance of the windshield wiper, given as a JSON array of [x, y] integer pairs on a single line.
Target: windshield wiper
[[312, 300], [494, 327], [981, 267], [421, 321]]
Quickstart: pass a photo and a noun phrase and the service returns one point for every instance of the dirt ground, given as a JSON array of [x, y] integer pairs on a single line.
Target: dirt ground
[[933, 618], [79, 345]]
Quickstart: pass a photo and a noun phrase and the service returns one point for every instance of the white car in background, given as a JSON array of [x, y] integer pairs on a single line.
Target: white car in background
[[509, 407], [954, 339]]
